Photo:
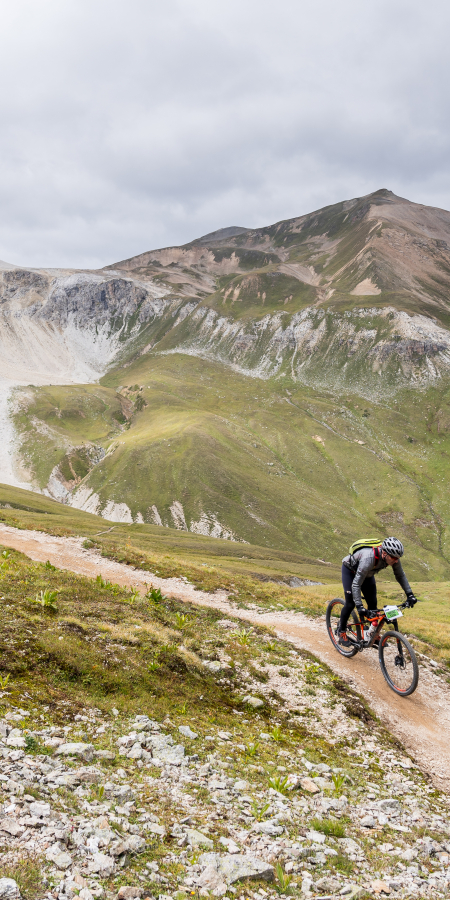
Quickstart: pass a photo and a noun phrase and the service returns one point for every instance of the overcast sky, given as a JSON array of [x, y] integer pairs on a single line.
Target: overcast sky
[[127, 125]]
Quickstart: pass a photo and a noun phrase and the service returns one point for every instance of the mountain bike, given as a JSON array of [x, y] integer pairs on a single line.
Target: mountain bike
[[396, 656]]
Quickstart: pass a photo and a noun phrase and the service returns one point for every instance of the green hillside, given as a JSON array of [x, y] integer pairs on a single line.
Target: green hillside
[[276, 464], [285, 386]]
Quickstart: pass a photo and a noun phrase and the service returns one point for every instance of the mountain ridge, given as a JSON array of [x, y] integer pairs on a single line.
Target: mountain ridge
[[329, 313]]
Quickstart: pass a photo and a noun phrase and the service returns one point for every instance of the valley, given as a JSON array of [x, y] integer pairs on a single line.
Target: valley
[[283, 386]]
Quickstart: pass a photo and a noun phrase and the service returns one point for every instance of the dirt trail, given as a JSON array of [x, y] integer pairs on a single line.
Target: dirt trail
[[422, 721]]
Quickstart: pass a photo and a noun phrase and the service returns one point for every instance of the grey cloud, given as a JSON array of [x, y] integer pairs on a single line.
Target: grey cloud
[[126, 126]]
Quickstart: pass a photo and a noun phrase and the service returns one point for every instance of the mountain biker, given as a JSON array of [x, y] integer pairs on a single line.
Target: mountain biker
[[358, 576]]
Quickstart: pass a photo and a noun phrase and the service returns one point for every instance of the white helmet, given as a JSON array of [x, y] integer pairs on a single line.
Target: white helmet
[[393, 547]]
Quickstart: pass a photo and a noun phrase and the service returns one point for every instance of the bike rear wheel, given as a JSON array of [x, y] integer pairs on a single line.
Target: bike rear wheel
[[398, 663], [334, 609]]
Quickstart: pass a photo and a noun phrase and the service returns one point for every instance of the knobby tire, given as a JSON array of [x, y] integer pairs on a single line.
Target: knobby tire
[[398, 663], [332, 618]]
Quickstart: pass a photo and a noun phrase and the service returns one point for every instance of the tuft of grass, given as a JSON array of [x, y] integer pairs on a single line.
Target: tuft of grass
[[243, 636], [252, 748], [181, 620], [46, 599], [312, 671], [279, 783], [259, 811], [27, 873], [330, 827], [283, 880], [277, 733], [154, 595], [342, 863], [33, 745], [4, 682], [338, 781]]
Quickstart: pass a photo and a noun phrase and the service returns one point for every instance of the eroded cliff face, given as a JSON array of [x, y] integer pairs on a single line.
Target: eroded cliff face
[[59, 327], [363, 348]]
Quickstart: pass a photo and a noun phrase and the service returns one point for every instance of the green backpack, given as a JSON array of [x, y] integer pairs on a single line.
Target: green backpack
[[365, 542]]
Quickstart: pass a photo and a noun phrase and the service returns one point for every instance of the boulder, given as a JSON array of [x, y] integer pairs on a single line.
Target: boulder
[[84, 751], [40, 810], [154, 828], [135, 752], [368, 822], [59, 857], [101, 864], [197, 839], [237, 866], [271, 828], [9, 889], [187, 732], [129, 892], [307, 784], [16, 739], [254, 702], [89, 775]]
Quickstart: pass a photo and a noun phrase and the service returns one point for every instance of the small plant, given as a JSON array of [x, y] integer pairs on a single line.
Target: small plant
[[183, 709], [279, 783], [32, 745], [276, 733], [252, 748], [133, 595], [181, 620], [343, 864], [47, 599], [101, 582], [168, 648], [272, 646], [4, 682], [155, 595], [257, 812], [243, 636], [5, 557], [282, 879], [49, 566], [153, 665], [312, 671], [139, 403], [100, 792], [330, 827], [338, 781]]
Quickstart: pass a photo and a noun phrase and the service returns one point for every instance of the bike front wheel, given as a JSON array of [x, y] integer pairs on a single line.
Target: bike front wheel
[[398, 663], [353, 627]]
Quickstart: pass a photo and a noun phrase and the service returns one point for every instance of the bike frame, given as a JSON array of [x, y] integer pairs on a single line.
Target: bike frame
[[378, 620]]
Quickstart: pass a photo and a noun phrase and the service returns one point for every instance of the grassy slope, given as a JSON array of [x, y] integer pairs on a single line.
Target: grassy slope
[[209, 564], [101, 651], [240, 448]]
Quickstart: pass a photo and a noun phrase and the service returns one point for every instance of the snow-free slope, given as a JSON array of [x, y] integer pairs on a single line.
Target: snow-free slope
[[340, 318]]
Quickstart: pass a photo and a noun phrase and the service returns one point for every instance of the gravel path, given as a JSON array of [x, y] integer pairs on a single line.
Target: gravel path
[[422, 721]]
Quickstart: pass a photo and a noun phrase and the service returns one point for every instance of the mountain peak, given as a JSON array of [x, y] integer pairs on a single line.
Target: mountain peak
[[221, 234]]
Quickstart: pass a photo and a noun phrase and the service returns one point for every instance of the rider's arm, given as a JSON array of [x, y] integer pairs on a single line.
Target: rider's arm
[[397, 569]]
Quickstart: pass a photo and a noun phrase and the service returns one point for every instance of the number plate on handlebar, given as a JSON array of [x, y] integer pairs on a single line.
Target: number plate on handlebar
[[392, 612]]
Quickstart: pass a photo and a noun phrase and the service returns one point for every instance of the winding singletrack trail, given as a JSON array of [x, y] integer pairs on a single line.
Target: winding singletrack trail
[[421, 722]]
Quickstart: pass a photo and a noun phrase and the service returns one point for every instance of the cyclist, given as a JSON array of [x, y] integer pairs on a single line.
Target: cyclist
[[358, 577]]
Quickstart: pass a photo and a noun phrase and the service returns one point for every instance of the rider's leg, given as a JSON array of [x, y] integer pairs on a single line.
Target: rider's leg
[[347, 580], [369, 592]]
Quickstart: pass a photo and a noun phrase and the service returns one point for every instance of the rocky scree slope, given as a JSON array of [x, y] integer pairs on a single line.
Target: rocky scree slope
[[171, 793]]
